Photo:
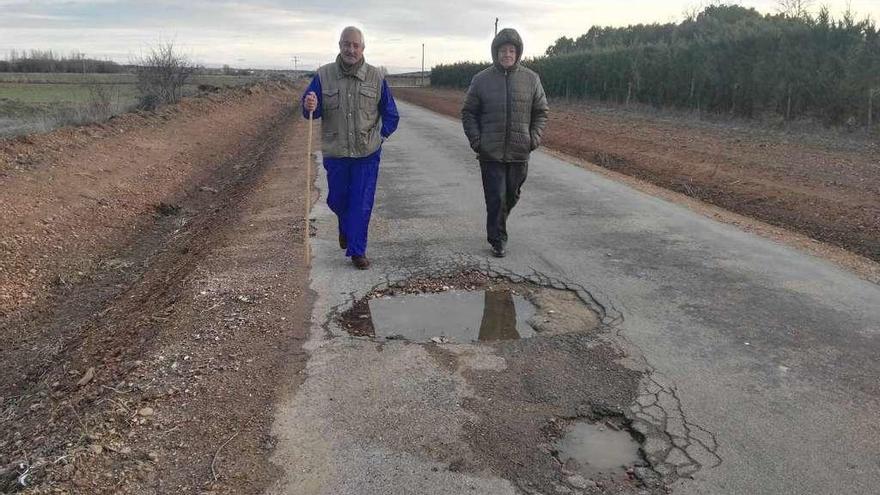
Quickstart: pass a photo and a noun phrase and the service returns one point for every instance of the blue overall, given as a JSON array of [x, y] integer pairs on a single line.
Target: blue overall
[[352, 181]]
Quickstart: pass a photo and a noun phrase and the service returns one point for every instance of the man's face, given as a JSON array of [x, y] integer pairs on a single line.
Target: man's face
[[351, 47], [507, 55]]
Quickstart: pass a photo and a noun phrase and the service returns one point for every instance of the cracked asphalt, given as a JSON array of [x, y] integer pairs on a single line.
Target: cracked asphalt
[[748, 367]]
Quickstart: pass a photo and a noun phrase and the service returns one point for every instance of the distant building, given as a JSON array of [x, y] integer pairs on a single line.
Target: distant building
[[409, 79]]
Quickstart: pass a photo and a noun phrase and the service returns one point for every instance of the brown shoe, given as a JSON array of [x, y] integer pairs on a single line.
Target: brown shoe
[[343, 242], [360, 262]]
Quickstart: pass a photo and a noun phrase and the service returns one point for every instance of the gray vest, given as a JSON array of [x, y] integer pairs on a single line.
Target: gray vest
[[350, 111]]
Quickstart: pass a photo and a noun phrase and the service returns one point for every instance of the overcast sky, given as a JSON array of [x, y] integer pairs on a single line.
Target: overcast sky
[[270, 33]]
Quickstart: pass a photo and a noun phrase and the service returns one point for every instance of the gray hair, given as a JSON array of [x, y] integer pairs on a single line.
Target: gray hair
[[352, 29]]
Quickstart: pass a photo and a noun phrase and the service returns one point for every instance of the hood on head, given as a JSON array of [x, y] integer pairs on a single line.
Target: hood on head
[[507, 35]]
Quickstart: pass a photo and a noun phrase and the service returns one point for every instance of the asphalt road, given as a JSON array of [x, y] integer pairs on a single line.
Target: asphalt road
[[759, 364]]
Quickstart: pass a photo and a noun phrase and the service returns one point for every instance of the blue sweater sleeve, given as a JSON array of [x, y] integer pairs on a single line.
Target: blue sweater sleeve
[[315, 86], [388, 111]]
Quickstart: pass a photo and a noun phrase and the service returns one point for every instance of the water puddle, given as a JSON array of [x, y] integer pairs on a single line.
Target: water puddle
[[452, 316], [597, 450]]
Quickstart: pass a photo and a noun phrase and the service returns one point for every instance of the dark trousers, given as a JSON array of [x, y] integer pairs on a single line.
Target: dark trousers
[[501, 186]]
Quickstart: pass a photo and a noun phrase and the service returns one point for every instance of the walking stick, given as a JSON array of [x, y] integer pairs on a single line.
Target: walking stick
[[308, 227]]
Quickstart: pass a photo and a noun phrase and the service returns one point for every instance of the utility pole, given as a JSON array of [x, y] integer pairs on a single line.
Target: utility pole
[[871, 94], [496, 26], [295, 62], [422, 75]]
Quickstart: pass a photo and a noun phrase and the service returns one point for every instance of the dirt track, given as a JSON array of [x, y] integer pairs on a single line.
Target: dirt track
[[828, 190], [153, 270]]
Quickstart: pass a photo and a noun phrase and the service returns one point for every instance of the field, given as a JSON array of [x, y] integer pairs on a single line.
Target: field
[[41, 102], [40, 78]]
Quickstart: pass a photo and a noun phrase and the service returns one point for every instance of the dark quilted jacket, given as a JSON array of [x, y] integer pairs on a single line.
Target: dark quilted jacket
[[505, 111]]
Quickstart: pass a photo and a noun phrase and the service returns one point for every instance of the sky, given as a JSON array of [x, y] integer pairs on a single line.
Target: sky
[[277, 34]]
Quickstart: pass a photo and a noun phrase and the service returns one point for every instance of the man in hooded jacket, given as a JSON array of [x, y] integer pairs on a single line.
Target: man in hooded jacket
[[504, 115]]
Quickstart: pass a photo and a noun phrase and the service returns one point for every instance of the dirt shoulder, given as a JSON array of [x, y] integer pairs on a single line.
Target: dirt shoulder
[[153, 289], [790, 188]]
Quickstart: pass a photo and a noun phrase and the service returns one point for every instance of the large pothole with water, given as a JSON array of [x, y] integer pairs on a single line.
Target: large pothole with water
[[465, 308], [548, 387]]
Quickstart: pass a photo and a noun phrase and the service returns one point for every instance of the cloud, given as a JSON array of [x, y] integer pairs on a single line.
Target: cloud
[[269, 33]]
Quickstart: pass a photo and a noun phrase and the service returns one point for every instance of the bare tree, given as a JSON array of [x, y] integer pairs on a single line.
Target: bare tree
[[794, 8], [692, 10], [161, 75]]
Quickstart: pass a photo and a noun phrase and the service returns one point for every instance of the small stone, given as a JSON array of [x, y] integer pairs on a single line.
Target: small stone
[[146, 412], [96, 448], [579, 481], [561, 488], [87, 377], [663, 469], [643, 473]]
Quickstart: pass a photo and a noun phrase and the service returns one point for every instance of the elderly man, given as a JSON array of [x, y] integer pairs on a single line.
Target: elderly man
[[358, 114], [504, 115]]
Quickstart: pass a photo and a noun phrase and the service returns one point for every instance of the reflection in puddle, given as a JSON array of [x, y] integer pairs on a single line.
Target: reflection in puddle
[[456, 316], [595, 450]]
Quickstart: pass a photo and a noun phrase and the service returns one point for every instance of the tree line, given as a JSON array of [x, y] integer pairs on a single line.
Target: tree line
[[46, 61], [724, 59]]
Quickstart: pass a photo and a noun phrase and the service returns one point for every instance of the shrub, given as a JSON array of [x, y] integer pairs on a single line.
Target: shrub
[[162, 75]]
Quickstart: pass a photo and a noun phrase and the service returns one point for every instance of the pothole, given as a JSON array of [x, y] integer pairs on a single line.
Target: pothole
[[549, 358], [467, 307], [598, 451], [453, 316]]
